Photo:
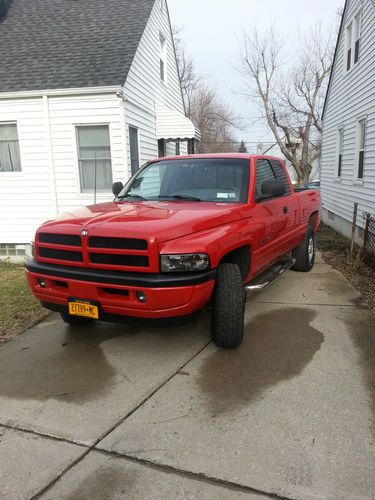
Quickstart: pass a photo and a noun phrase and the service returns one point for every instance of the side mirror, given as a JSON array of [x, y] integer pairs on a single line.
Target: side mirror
[[117, 187], [272, 189]]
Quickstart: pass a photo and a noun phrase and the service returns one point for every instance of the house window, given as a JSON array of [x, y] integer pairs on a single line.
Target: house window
[[163, 59], [349, 37], [94, 157], [356, 39], [361, 130], [10, 159], [353, 35], [178, 148], [340, 146], [134, 149]]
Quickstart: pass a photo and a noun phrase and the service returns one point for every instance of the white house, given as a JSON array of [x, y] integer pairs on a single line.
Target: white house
[[89, 91], [348, 154]]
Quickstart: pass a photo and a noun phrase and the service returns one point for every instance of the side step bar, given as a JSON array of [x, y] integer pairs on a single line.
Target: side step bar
[[265, 279]]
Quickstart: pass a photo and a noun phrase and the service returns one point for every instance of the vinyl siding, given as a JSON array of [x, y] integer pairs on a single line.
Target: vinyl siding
[[143, 87], [27, 198], [65, 114], [351, 96], [49, 180]]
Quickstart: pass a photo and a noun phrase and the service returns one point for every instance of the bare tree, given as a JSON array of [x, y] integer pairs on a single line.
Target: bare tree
[[291, 97], [214, 119], [190, 81]]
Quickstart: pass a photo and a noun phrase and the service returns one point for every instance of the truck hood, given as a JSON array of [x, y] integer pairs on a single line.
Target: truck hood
[[155, 221]]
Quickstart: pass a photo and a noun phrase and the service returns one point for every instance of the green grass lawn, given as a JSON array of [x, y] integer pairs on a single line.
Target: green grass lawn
[[18, 307]]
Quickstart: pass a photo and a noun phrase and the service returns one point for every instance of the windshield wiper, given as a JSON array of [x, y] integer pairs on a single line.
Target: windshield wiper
[[185, 197], [136, 196]]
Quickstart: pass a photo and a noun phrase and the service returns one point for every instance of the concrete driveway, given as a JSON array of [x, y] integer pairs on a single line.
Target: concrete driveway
[[148, 411]]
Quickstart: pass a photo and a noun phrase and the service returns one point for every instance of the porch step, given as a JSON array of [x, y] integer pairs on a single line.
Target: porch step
[[270, 275]]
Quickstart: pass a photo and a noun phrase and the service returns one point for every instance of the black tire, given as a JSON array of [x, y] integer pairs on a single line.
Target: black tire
[[305, 253], [74, 320], [227, 321]]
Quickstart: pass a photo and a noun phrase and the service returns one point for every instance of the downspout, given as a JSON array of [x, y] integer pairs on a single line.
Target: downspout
[[51, 164]]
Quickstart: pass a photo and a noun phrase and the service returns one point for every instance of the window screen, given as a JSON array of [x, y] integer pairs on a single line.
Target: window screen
[[10, 159], [94, 157]]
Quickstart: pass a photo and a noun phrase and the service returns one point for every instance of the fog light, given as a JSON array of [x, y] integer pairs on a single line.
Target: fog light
[[141, 296], [42, 282]]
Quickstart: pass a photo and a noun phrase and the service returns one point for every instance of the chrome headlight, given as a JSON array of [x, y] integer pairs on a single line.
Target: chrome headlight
[[179, 263]]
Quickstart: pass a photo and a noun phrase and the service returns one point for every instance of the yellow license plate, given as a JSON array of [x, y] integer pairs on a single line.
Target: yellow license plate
[[82, 308]]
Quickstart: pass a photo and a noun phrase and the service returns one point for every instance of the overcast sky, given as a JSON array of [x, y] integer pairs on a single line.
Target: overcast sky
[[213, 31]]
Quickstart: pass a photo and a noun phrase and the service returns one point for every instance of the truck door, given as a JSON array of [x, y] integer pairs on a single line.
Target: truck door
[[267, 223], [289, 209]]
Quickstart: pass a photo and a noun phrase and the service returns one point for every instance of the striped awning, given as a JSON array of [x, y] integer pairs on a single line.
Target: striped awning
[[173, 125]]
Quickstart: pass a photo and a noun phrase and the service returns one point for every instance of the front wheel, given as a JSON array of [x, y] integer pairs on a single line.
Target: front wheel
[[227, 322], [305, 253]]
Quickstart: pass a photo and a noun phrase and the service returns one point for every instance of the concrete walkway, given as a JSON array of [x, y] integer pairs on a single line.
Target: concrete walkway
[[146, 411]]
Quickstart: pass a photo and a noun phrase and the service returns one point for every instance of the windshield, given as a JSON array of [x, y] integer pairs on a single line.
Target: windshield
[[224, 180]]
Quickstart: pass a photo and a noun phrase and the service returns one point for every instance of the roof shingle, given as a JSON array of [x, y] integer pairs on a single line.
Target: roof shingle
[[53, 44]]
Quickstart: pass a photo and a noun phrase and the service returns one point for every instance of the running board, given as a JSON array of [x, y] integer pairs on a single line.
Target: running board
[[269, 276]]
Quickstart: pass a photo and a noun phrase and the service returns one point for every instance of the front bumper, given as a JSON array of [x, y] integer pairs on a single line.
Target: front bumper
[[167, 295]]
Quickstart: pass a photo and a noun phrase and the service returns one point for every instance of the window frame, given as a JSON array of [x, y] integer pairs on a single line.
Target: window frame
[[131, 126], [339, 152], [19, 171], [163, 63], [361, 132], [353, 41], [88, 192]]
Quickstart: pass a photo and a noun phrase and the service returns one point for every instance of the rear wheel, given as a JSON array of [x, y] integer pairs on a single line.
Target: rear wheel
[[227, 322], [75, 320], [305, 253]]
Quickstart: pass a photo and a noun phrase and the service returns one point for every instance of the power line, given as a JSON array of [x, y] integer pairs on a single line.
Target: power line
[[229, 142]]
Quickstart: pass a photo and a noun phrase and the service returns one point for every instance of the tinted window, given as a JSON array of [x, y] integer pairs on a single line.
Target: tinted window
[[281, 175], [264, 173]]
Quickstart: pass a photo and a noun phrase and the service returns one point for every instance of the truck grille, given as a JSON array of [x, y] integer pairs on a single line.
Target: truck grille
[[120, 243], [60, 239], [52, 253], [119, 260], [96, 251]]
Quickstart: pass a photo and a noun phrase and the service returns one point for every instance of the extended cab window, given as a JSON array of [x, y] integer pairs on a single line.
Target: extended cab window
[[281, 175], [219, 180], [264, 173]]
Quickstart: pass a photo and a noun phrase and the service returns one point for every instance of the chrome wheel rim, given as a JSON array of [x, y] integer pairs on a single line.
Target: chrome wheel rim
[[310, 250]]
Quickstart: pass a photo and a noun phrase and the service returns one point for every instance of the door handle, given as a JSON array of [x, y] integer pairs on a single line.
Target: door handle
[[285, 210]]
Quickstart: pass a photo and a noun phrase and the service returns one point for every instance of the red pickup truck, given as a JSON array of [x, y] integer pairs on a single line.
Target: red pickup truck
[[183, 232]]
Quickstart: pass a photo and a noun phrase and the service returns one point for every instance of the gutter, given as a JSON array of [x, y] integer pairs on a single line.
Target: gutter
[[60, 92]]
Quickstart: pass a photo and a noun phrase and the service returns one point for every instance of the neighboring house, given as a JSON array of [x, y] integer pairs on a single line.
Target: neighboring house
[[348, 154], [89, 91]]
